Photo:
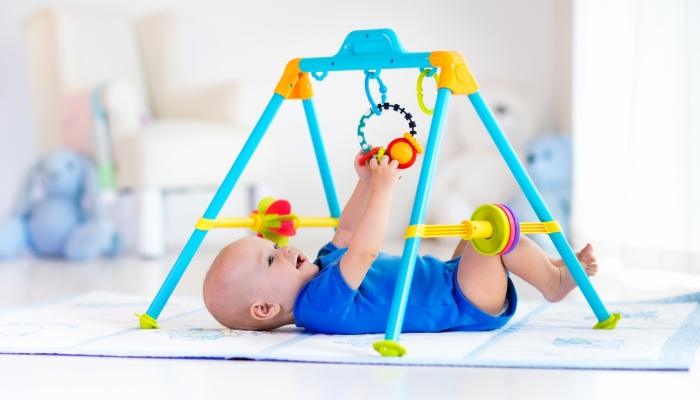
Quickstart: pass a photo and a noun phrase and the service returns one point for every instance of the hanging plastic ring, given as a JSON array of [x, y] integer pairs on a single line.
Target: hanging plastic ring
[[419, 89], [382, 89]]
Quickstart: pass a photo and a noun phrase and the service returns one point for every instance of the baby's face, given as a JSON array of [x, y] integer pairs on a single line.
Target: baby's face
[[276, 274]]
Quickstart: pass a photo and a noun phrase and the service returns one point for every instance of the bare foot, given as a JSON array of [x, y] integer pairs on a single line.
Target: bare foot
[[566, 282]]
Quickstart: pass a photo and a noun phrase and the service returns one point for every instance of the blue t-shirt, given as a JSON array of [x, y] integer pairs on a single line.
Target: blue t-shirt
[[326, 304]]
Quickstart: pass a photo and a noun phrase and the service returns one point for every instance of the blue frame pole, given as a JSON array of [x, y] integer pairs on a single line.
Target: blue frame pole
[[215, 206], [537, 203], [420, 205], [321, 158]]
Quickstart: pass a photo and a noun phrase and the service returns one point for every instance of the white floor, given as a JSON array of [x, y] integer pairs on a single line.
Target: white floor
[[27, 377]]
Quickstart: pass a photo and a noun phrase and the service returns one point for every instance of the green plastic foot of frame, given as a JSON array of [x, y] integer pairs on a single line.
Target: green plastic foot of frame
[[389, 348], [147, 322], [609, 323]]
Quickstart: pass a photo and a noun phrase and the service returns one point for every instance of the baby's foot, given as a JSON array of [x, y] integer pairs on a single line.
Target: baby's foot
[[566, 281]]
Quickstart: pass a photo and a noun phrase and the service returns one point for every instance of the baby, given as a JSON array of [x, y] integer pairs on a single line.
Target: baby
[[254, 284]]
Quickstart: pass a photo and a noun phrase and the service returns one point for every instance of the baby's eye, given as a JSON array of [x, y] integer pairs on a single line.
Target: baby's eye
[[277, 247], [270, 260]]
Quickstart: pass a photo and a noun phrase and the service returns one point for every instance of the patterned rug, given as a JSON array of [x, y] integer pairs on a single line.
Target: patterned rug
[[654, 335]]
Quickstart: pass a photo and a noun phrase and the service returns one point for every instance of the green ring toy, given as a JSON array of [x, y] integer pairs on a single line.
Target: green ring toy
[[501, 229], [419, 90]]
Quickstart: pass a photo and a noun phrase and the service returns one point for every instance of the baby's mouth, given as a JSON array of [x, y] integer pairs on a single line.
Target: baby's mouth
[[300, 261]]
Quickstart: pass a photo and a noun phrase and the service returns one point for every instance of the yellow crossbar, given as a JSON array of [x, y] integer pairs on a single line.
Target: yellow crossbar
[[477, 229], [466, 230], [316, 222], [256, 222]]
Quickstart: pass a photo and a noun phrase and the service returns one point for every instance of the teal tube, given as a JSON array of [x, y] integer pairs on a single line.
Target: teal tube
[[370, 49], [366, 62], [537, 203], [410, 250], [321, 158], [217, 202], [171, 281]]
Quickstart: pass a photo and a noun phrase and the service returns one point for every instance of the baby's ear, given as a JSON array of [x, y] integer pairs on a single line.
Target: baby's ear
[[263, 311]]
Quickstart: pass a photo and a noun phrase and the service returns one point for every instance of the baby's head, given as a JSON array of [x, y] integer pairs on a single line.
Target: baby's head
[[252, 284]]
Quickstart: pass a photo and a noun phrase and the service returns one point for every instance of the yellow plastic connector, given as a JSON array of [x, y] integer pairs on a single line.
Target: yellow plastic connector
[[294, 84], [204, 224], [454, 72], [533, 228]]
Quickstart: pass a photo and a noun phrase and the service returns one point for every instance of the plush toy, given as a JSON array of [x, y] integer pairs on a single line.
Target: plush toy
[[548, 162], [59, 212]]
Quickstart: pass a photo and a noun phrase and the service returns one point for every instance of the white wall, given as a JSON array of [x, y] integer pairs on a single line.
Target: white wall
[[524, 43]]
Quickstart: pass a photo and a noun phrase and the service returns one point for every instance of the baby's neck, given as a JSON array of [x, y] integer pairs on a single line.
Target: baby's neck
[[288, 319]]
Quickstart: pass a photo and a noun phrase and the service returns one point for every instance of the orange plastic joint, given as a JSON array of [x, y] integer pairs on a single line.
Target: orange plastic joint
[[454, 72], [294, 85]]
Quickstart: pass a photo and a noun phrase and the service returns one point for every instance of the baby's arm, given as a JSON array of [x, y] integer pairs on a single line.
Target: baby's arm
[[353, 210], [367, 237]]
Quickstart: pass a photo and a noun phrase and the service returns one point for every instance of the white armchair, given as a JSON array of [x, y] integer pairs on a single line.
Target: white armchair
[[192, 139]]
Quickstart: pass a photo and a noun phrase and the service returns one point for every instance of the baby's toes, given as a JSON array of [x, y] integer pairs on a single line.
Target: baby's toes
[[587, 257], [589, 260], [591, 269]]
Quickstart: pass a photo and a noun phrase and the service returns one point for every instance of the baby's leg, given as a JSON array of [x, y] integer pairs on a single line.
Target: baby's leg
[[482, 279], [551, 277]]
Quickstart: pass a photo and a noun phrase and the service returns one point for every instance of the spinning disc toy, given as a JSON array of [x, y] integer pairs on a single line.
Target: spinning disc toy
[[494, 229], [403, 149], [277, 222]]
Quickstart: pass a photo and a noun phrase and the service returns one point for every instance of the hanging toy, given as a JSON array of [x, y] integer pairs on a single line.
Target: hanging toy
[[403, 149]]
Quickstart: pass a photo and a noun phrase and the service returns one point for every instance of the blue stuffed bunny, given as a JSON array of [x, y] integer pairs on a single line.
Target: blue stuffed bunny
[[549, 165], [66, 220]]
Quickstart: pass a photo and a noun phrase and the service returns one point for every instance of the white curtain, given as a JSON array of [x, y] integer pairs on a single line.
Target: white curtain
[[636, 130]]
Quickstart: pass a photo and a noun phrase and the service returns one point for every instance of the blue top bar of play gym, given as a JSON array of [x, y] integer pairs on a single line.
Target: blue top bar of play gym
[[368, 50]]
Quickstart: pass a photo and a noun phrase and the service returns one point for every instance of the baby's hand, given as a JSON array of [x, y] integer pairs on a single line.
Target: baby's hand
[[385, 174], [364, 172]]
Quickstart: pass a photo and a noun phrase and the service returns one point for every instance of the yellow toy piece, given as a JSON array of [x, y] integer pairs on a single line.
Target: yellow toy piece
[[414, 142], [380, 154], [401, 152]]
